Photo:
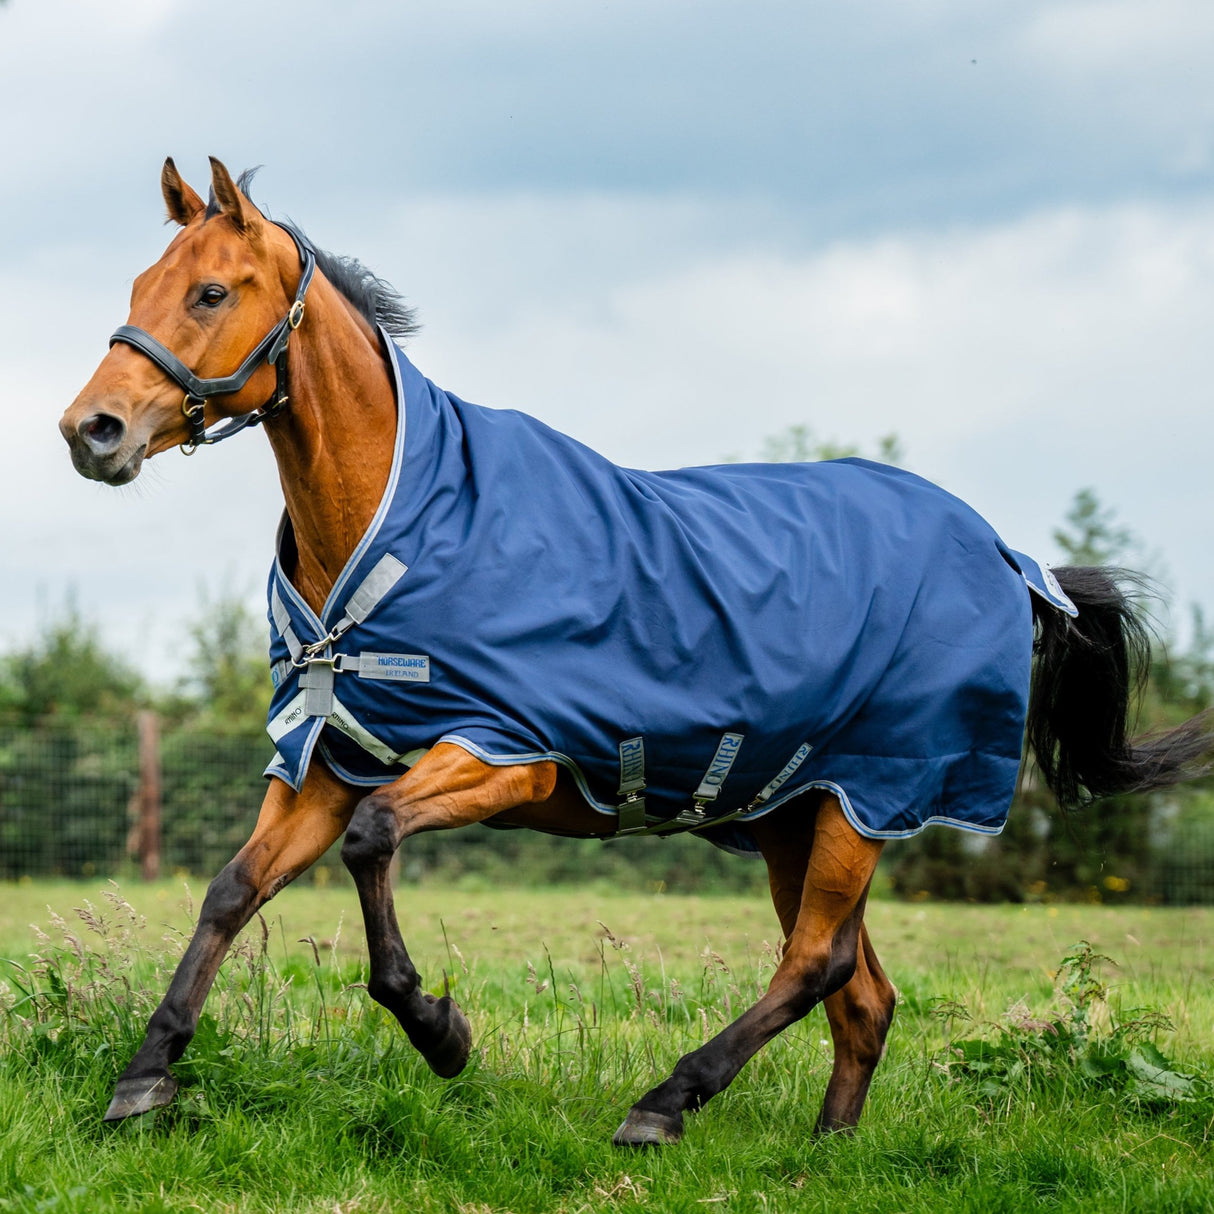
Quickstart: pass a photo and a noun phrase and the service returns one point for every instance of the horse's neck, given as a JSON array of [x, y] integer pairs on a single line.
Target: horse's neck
[[334, 442]]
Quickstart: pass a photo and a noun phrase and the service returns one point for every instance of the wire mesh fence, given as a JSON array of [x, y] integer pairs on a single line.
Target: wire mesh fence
[[111, 798], [74, 798], [123, 797]]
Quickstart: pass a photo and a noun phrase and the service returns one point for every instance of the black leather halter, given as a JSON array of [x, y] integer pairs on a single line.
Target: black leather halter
[[271, 349]]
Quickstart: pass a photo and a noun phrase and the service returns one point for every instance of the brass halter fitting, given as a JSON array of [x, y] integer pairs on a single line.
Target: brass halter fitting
[[193, 409]]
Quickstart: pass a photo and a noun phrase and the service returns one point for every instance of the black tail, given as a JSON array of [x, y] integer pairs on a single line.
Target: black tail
[[1087, 675]]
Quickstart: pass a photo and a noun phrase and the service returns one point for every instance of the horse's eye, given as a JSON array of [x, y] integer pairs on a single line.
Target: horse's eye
[[212, 296]]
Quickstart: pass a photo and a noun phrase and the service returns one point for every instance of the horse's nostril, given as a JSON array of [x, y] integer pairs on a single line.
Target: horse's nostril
[[102, 433]]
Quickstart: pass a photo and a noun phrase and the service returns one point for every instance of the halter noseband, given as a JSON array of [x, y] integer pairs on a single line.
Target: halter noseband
[[271, 349]]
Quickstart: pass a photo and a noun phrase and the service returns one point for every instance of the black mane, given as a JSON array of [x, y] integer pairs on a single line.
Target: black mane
[[375, 300]]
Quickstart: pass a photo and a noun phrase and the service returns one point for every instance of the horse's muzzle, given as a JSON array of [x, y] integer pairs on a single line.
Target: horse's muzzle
[[100, 450]]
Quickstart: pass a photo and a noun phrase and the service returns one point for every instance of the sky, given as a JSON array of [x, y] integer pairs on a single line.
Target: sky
[[670, 229]]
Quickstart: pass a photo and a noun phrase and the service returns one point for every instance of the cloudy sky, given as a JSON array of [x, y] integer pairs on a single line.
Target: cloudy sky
[[671, 229]]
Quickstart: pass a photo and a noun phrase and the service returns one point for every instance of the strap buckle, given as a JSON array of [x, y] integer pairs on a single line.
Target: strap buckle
[[630, 813], [630, 816], [194, 409]]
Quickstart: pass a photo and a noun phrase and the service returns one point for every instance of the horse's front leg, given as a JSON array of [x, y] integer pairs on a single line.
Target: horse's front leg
[[293, 831], [819, 959], [447, 788]]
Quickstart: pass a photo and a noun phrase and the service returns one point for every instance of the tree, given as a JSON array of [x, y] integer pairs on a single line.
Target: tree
[[67, 674], [799, 444], [227, 687], [66, 773], [1091, 535], [1187, 680]]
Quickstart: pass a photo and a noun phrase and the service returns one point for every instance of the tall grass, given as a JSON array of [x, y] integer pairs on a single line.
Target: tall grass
[[300, 1094]]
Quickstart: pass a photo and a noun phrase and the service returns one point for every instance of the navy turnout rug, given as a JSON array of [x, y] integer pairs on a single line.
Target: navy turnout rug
[[714, 640]]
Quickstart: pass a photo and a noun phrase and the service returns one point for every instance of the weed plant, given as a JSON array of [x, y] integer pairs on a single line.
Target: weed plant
[[1080, 1045], [299, 1094]]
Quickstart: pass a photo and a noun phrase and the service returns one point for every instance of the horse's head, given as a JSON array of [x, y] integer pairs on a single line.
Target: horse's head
[[225, 280]]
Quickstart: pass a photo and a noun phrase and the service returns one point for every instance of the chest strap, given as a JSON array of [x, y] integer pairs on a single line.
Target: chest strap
[[316, 660]]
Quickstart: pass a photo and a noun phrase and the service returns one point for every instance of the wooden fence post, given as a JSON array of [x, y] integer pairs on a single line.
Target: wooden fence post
[[149, 795]]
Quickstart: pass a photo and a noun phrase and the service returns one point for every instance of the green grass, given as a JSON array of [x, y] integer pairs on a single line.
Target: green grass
[[298, 1094]]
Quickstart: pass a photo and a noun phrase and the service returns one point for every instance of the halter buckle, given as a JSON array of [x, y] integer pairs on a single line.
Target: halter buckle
[[194, 411], [296, 314]]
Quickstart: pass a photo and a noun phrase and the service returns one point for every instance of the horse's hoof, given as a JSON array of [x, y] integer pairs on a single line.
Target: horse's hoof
[[643, 1128], [140, 1095], [450, 1055]]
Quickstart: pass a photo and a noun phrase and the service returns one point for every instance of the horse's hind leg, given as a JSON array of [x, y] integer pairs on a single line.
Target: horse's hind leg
[[820, 958], [860, 1015], [293, 831], [861, 1012]]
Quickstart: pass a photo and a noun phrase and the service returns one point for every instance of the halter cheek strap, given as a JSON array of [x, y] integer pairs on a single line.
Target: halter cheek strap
[[271, 349]]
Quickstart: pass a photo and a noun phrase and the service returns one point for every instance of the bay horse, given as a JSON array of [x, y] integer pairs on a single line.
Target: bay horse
[[656, 639]]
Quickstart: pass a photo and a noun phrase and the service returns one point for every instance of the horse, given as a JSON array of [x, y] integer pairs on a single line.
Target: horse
[[917, 710]]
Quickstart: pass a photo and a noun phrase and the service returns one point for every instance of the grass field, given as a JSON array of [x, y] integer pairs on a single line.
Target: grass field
[[300, 1095]]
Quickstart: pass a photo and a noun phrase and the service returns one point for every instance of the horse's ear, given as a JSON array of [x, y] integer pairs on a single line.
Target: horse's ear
[[231, 201], [183, 202]]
